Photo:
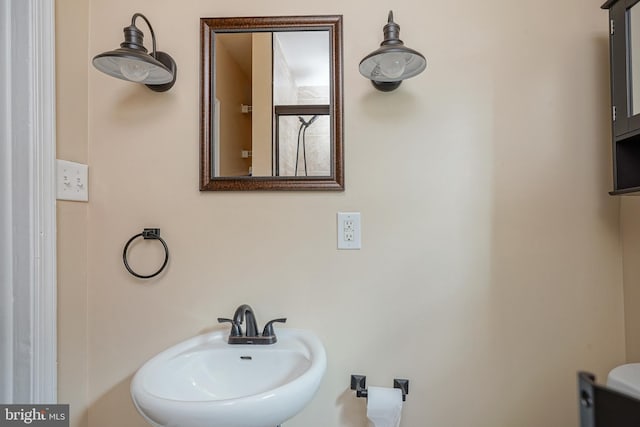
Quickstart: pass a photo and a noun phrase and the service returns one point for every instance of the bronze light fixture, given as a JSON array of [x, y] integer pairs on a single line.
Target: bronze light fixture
[[131, 61], [393, 62]]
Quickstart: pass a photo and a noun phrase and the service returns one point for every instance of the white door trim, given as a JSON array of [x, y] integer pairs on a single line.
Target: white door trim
[[6, 276], [45, 368], [28, 258]]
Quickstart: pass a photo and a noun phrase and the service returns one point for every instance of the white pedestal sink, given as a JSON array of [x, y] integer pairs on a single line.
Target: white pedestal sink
[[205, 382]]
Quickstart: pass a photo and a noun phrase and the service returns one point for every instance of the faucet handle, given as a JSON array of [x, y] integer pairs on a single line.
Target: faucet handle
[[235, 327], [268, 328]]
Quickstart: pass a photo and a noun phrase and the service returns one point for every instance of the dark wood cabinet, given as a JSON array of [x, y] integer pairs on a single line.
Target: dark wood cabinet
[[624, 47]]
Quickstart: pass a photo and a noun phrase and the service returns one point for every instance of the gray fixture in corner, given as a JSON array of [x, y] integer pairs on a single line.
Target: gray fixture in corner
[[393, 62], [156, 70]]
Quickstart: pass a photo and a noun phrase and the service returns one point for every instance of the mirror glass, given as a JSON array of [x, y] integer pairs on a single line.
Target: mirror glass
[[633, 24], [271, 103]]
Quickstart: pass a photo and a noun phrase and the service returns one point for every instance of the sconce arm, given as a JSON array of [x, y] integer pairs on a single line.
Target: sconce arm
[[153, 36]]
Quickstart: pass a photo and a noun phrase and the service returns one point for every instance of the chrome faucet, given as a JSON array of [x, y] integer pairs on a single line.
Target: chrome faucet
[[244, 313]]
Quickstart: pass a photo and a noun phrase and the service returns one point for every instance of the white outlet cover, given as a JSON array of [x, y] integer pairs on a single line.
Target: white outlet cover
[[72, 181], [349, 230]]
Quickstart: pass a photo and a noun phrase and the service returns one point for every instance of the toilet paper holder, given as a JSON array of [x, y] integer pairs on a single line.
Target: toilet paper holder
[[359, 384]]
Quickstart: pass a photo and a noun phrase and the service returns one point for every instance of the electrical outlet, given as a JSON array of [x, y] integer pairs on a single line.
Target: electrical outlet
[[348, 233], [72, 181], [349, 230]]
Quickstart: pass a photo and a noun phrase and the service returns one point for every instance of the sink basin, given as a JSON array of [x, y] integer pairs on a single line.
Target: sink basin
[[206, 382]]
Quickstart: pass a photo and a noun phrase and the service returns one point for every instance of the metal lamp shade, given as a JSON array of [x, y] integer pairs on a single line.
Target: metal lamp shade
[[392, 62], [116, 62], [414, 63], [131, 61]]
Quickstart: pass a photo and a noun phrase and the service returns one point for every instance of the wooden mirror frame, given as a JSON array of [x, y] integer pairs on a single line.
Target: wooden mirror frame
[[331, 23]]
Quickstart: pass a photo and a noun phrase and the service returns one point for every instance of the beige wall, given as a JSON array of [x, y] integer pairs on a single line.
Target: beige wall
[[72, 25], [491, 264], [630, 232]]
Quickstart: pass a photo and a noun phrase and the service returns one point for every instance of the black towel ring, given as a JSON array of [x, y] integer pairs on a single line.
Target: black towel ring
[[147, 234]]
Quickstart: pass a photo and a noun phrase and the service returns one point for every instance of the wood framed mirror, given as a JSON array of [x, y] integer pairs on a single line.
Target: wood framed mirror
[[271, 103]]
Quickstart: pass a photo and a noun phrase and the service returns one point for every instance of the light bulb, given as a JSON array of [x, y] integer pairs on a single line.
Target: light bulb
[[392, 65], [135, 71]]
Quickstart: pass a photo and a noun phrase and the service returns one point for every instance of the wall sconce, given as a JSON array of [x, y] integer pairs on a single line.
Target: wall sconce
[[393, 62], [131, 61]]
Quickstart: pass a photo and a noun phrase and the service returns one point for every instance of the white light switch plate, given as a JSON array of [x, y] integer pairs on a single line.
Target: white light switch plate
[[72, 181]]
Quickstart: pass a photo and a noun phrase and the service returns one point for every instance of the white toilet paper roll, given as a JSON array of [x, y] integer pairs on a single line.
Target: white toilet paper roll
[[384, 406]]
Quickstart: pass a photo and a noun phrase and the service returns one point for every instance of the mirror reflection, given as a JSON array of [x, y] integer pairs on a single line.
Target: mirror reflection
[[633, 23], [271, 103], [303, 145], [257, 73]]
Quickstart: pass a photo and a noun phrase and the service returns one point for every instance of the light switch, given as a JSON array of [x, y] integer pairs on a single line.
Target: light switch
[[72, 181]]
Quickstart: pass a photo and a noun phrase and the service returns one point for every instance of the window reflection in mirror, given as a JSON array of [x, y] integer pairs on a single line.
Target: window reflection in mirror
[[633, 24]]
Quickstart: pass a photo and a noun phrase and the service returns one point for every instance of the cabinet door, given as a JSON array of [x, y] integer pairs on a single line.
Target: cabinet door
[[618, 62], [625, 66]]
